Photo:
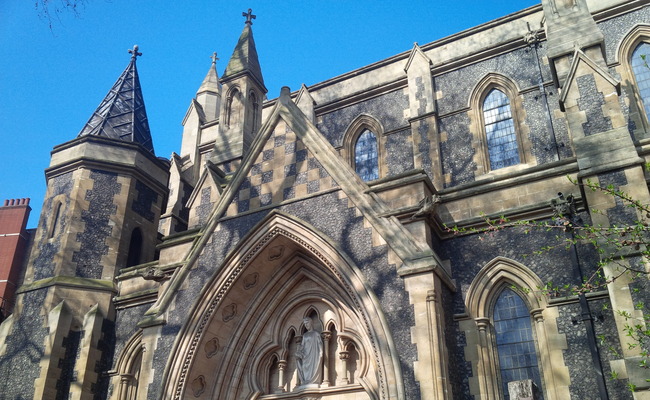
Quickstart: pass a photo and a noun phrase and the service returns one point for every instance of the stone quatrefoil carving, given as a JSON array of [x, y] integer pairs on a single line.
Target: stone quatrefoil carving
[[229, 312], [212, 347], [198, 386], [276, 252], [250, 280]]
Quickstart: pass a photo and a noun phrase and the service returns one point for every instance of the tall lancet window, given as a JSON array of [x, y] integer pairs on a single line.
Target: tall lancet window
[[254, 104], [515, 341], [641, 70], [366, 161], [500, 130]]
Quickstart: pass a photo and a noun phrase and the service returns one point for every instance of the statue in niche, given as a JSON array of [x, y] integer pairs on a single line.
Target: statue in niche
[[309, 356]]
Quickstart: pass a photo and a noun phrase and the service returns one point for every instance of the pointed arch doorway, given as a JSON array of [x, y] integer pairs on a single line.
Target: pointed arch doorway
[[250, 325]]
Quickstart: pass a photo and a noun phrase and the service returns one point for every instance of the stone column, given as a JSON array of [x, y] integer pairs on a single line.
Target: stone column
[[439, 354], [343, 380], [282, 365], [487, 370], [298, 341], [326, 335]]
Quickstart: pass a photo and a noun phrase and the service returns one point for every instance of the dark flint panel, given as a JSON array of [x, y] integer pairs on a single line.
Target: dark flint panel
[[388, 109], [19, 365], [399, 152], [47, 248], [97, 227]]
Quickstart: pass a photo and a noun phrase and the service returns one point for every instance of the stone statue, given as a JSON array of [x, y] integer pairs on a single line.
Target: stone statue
[[310, 356]]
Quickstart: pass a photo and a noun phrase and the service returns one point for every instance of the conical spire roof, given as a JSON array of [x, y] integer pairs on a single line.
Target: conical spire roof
[[244, 57], [122, 115], [211, 81]]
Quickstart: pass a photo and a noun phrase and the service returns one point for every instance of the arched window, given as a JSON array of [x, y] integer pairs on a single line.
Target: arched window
[[641, 71], [366, 156], [55, 220], [501, 137], [135, 248], [515, 342], [233, 108], [255, 110], [128, 368], [512, 334]]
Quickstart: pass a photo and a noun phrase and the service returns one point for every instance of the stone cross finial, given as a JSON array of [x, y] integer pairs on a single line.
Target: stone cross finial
[[249, 16], [214, 58], [135, 53]]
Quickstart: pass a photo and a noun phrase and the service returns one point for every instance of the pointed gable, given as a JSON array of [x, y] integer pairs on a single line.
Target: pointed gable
[[583, 65], [283, 170], [244, 59], [122, 114]]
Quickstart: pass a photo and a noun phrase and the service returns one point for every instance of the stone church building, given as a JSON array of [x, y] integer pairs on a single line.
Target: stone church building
[[300, 246]]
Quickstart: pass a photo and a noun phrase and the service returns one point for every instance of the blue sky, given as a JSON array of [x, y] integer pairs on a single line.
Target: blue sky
[[52, 80]]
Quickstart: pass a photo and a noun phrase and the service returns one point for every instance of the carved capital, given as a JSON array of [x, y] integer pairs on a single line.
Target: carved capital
[[326, 335], [536, 313], [344, 355], [482, 323]]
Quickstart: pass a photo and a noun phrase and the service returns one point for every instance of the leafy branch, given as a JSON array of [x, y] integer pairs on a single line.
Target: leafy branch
[[612, 243]]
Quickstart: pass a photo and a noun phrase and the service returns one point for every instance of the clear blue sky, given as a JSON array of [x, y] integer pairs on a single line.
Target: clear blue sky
[[52, 80]]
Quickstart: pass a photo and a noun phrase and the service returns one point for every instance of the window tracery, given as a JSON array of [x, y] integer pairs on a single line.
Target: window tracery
[[501, 138], [362, 147], [508, 324], [641, 72], [635, 78], [366, 162], [515, 341], [500, 134]]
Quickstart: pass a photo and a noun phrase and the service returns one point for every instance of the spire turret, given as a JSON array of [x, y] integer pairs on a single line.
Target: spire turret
[[209, 93], [122, 114], [211, 81], [244, 58]]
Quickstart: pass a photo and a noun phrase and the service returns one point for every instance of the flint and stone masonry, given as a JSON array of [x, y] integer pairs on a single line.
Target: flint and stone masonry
[[302, 246]]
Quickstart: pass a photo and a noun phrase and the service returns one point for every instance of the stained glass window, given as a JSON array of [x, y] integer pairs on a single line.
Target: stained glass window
[[500, 130], [366, 160], [515, 341], [642, 73]]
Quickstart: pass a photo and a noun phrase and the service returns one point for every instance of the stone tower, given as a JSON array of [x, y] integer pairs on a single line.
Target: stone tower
[[105, 190], [241, 110]]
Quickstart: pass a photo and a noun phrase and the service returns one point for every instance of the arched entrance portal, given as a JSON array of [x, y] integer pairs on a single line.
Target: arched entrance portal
[[252, 333]]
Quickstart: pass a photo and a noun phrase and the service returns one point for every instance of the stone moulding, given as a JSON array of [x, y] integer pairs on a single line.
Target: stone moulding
[[187, 344]]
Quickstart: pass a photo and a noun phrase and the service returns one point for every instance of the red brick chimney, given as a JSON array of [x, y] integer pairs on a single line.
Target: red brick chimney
[[13, 245]]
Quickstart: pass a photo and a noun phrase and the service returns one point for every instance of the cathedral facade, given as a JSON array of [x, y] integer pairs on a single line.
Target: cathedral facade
[[339, 242]]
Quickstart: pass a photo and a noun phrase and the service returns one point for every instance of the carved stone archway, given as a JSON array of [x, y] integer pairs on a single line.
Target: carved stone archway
[[240, 341]]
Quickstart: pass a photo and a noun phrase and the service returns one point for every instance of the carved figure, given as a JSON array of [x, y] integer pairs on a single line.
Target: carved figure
[[309, 355]]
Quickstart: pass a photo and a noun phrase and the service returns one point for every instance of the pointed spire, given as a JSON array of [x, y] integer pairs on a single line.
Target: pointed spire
[[122, 115], [211, 80], [244, 58]]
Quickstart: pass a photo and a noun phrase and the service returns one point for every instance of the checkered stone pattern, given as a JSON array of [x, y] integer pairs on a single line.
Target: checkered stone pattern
[[284, 170]]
